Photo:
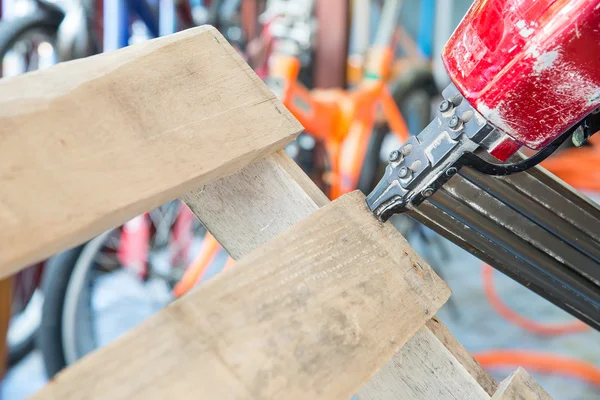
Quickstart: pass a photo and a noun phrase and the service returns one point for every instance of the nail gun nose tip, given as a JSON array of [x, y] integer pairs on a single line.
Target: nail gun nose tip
[[383, 218], [379, 212]]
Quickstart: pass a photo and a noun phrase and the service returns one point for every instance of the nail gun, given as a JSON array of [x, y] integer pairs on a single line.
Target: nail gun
[[525, 74]]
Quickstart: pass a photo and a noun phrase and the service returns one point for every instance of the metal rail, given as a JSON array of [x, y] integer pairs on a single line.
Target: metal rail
[[531, 226]]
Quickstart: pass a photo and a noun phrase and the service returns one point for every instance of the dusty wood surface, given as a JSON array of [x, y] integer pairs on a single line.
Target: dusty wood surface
[[520, 386], [423, 369], [87, 144], [248, 208], [311, 314], [485, 380]]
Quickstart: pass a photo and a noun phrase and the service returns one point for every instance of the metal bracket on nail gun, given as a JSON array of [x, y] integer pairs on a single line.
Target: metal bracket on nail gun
[[427, 161]]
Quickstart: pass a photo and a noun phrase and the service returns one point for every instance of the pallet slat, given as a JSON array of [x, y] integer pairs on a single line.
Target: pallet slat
[[423, 369], [88, 144], [520, 386], [311, 314], [248, 208], [485, 380]]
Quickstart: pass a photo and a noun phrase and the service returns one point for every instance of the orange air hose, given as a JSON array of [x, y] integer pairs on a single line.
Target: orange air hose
[[529, 325], [577, 166], [534, 360], [541, 362]]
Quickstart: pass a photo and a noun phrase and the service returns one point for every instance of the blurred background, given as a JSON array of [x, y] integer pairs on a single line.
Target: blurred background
[[361, 76]]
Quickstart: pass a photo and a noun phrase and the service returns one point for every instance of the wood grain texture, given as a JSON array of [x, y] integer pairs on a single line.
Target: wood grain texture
[[248, 208], [87, 144], [485, 380], [309, 315], [423, 369], [520, 386]]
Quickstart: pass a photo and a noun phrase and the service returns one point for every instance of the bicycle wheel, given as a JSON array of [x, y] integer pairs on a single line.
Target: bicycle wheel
[[91, 298], [414, 92], [54, 285], [27, 302], [27, 43]]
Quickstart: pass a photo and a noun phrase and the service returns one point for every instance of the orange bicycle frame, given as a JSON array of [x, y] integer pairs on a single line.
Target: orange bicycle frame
[[343, 121]]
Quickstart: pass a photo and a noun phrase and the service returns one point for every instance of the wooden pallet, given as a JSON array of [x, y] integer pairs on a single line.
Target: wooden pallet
[[325, 302]]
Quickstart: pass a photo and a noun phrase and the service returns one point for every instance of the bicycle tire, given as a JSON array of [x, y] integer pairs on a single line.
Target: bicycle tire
[[14, 29], [369, 171], [68, 331], [415, 87], [21, 337], [20, 351], [416, 80], [54, 287], [11, 31]]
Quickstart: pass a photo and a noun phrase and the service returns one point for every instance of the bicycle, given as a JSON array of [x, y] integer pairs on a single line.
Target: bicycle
[[141, 261]]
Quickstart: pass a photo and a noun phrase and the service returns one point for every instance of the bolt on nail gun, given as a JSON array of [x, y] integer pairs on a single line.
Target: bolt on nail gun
[[525, 73]]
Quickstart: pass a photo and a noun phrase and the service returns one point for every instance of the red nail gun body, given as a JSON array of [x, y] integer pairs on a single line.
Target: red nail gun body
[[524, 73], [530, 67]]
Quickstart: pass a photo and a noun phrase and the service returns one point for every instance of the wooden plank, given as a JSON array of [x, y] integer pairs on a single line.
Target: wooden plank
[[485, 380], [423, 369], [520, 386], [246, 209], [311, 314], [87, 144]]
